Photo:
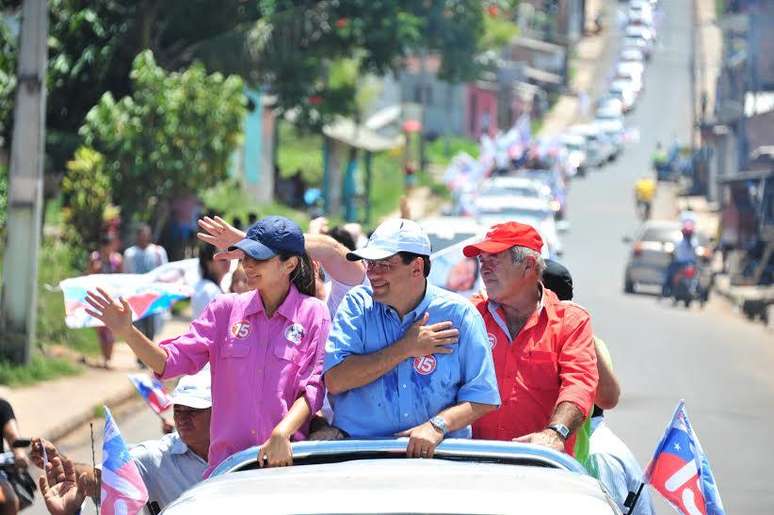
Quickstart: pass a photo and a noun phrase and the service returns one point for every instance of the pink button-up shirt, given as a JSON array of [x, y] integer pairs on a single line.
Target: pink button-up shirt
[[260, 366]]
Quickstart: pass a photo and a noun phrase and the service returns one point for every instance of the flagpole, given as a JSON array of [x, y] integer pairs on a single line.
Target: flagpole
[[98, 498], [631, 499]]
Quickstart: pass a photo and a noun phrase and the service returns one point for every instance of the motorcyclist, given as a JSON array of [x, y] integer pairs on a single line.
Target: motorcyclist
[[644, 192], [683, 255], [660, 158]]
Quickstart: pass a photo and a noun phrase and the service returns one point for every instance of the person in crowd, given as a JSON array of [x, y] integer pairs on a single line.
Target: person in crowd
[[607, 457], [140, 258], [170, 465], [405, 357], [9, 502], [684, 254], [238, 280], [543, 349], [106, 261], [212, 272], [266, 344]]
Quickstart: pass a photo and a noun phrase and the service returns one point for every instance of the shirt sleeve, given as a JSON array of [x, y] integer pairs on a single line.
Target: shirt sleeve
[[189, 352], [480, 381], [311, 370], [347, 333], [578, 363]]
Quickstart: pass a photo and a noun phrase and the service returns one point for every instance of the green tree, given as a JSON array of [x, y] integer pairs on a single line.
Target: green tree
[[85, 195], [174, 135]]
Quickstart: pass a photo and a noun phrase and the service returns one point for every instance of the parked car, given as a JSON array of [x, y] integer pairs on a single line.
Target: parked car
[[511, 186], [575, 145], [610, 103], [638, 42], [536, 212], [445, 231], [624, 90], [651, 253], [614, 130], [600, 149], [642, 31], [632, 55], [631, 71], [354, 476]]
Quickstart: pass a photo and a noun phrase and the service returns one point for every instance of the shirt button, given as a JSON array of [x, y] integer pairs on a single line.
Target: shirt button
[[404, 386], [405, 415], [253, 431]]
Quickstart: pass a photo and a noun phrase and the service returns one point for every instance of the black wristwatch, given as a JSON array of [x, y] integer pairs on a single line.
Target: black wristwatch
[[560, 429]]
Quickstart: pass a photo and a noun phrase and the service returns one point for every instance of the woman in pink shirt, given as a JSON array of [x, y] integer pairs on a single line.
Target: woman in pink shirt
[[265, 346]]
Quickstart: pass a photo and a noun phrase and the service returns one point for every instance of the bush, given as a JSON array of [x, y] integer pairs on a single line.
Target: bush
[[86, 194]]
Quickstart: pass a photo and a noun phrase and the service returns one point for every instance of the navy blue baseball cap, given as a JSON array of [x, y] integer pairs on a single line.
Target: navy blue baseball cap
[[270, 236]]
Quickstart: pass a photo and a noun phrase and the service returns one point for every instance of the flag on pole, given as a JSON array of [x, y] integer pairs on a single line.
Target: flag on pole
[[123, 491], [152, 391], [680, 471]]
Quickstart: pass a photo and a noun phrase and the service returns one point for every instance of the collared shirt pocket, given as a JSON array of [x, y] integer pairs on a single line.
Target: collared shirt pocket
[[540, 370], [288, 359], [236, 349]]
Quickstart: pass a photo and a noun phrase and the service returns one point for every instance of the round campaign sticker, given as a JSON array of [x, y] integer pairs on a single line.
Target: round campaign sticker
[[425, 365], [492, 340], [241, 329], [294, 333]]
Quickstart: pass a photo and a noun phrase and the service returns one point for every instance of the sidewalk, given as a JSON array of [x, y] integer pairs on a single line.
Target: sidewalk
[[53, 409]]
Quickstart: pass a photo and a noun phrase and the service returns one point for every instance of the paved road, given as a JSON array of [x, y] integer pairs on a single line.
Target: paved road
[[720, 363], [716, 360]]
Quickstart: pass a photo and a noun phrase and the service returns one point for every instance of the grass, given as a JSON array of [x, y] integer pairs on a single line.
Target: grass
[[40, 368], [299, 151], [441, 151]]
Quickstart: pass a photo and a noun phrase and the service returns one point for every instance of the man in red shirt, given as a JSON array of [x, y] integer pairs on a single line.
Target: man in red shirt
[[543, 349]]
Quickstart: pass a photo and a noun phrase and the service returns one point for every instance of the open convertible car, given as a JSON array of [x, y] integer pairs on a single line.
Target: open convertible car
[[374, 476]]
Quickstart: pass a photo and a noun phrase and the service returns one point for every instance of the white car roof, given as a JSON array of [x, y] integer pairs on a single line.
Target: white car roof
[[498, 202], [512, 182], [632, 54]]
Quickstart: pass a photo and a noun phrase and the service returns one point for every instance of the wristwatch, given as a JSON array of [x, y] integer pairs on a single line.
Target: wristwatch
[[562, 430], [440, 424]]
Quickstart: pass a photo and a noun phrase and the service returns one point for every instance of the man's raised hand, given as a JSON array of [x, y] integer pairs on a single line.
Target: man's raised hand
[[423, 340]]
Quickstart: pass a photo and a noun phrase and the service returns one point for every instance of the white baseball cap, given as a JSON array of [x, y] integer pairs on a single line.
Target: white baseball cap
[[391, 237], [194, 391]]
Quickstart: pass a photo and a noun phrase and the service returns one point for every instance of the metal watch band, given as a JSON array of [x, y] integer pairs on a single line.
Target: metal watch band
[[560, 429], [440, 424]]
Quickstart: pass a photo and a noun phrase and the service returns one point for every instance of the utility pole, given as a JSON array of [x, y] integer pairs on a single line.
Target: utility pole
[[18, 303]]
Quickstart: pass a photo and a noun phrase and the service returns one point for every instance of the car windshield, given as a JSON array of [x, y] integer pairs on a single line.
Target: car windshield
[[442, 241], [516, 213], [494, 190]]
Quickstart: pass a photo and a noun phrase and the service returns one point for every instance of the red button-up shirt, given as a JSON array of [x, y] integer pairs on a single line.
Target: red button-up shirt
[[551, 360]]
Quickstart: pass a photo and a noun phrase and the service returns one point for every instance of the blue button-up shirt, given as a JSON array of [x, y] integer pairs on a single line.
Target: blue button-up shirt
[[418, 388]]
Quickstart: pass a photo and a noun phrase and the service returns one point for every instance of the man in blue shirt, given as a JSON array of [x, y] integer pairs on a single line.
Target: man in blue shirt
[[404, 357]]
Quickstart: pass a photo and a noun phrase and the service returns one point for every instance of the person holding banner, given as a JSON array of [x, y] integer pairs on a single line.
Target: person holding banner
[[265, 346]]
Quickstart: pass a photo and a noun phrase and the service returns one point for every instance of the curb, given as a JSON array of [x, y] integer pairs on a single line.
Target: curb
[[79, 419]]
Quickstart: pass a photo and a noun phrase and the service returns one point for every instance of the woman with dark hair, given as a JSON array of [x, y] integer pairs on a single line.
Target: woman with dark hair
[[208, 287], [265, 346]]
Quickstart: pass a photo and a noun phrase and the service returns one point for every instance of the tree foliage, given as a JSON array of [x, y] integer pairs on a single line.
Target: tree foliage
[[85, 195], [174, 134]]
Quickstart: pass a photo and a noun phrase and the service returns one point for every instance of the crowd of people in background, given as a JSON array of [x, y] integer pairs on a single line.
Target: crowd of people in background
[[327, 336]]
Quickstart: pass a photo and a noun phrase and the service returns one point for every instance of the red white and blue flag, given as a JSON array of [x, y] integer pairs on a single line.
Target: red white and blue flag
[[680, 471], [123, 492], [152, 391]]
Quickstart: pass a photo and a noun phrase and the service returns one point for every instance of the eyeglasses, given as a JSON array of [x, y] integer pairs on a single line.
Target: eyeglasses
[[379, 266]]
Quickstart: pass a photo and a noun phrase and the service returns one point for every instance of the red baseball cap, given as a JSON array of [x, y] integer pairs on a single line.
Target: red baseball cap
[[504, 236]]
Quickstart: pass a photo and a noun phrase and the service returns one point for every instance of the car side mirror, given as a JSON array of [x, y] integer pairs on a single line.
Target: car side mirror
[[627, 239]]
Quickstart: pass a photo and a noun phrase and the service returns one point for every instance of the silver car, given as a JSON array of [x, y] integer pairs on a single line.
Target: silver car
[[355, 476], [652, 252]]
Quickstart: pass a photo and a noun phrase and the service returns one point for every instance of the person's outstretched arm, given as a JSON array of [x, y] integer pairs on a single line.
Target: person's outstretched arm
[[117, 316]]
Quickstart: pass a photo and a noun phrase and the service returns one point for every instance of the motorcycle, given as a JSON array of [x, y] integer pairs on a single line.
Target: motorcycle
[[687, 286]]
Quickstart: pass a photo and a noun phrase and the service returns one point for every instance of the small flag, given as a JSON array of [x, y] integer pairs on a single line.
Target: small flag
[[123, 491], [152, 391], [680, 471]]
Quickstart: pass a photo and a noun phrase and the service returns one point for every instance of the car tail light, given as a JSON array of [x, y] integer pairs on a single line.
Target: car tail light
[[689, 271], [637, 249]]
